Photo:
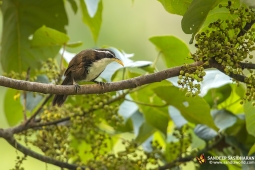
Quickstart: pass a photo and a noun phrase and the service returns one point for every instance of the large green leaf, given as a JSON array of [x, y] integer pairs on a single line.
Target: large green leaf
[[201, 13], [21, 19], [94, 23], [175, 52], [74, 44], [249, 111], [46, 37], [220, 13], [73, 5], [145, 131], [232, 124], [157, 117], [252, 150], [176, 6], [196, 15], [217, 95], [12, 107], [193, 109]]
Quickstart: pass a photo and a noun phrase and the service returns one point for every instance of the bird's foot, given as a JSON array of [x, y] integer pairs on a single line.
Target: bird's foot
[[100, 83], [77, 87]]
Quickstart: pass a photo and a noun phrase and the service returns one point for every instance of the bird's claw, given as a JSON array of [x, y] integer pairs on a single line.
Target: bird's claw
[[77, 87], [102, 84]]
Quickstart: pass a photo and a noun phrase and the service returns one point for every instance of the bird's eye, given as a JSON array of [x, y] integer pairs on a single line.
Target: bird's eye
[[110, 54]]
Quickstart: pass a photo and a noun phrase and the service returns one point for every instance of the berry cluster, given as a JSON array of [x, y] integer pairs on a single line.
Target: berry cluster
[[225, 42], [63, 141]]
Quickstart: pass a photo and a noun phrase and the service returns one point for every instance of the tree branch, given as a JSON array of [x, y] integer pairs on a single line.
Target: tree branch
[[7, 134], [215, 64], [92, 88], [115, 86]]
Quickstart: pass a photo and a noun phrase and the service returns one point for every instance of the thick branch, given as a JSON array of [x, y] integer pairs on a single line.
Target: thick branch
[[218, 66], [108, 87], [92, 88]]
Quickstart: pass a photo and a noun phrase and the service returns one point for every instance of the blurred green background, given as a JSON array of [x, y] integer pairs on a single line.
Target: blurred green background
[[126, 25]]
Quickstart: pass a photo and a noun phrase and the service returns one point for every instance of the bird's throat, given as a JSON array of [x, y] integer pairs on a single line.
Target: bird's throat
[[97, 68]]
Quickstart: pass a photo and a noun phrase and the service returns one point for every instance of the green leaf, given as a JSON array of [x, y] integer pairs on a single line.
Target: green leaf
[[74, 44], [218, 95], [93, 23], [240, 90], [252, 150], [250, 117], [145, 131], [193, 109], [220, 13], [157, 117], [178, 7], [73, 5], [233, 98], [196, 15], [224, 119], [46, 37], [125, 127], [21, 18], [175, 52], [12, 107]]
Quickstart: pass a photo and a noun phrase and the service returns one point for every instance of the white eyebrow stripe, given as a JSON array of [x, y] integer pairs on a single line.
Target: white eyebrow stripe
[[103, 51]]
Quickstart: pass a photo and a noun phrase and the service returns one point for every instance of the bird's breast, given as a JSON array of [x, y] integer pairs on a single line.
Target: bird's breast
[[97, 68]]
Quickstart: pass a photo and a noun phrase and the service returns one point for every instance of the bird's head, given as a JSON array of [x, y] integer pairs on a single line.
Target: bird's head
[[107, 55]]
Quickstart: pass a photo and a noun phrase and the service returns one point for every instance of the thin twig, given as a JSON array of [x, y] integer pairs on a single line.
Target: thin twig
[[89, 111], [156, 60], [38, 110], [61, 58], [246, 28], [25, 97], [247, 65]]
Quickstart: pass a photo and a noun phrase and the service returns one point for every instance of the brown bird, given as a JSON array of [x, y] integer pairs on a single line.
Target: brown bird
[[86, 65]]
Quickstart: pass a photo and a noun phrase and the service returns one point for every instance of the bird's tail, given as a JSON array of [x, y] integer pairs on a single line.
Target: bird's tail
[[60, 99]]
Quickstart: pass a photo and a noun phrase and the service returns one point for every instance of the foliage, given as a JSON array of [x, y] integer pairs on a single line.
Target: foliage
[[171, 122]]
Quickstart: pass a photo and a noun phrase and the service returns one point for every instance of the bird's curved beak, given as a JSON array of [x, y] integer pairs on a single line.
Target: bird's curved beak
[[118, 61]]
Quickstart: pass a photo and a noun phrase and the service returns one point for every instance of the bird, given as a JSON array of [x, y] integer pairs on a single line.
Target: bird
[[87, 65]]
